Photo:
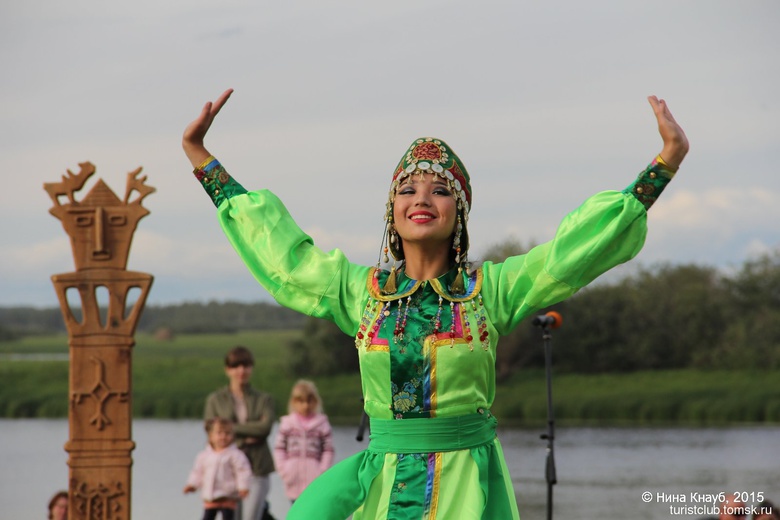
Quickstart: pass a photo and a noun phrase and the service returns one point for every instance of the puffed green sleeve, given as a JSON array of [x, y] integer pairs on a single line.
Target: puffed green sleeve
[[606, 230], [281, 256]]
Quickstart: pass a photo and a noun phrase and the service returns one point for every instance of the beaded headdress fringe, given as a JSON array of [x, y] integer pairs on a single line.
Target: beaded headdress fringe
[[433, 156]]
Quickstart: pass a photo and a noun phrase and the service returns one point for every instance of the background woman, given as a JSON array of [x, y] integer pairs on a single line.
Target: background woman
[[253, 414], [426, 330], [58, 506]]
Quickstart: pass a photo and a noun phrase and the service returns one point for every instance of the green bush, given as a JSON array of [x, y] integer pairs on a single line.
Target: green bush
[[171, 379]]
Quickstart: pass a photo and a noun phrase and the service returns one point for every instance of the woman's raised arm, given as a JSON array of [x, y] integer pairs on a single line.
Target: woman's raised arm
[[192, 140], [675, 142]]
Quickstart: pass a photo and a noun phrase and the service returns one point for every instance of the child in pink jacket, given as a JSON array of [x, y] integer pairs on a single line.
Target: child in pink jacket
[[221, 471], [304, 442]]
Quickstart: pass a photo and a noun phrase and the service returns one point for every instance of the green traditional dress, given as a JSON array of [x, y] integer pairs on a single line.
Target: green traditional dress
[[427, 356]]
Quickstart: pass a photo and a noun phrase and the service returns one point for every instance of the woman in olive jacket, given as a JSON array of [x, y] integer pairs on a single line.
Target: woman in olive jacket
[[253, 414]]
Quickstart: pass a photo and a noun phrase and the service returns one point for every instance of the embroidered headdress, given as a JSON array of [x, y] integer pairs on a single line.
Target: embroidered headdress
[[430, 155]]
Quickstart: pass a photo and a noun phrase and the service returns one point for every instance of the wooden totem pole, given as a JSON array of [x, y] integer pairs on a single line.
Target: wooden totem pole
[[101, 228]]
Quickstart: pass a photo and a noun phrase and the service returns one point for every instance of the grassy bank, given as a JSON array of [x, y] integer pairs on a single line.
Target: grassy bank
[[688, 397], [171, 379]]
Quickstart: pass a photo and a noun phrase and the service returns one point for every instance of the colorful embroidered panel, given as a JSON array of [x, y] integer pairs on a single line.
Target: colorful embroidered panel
[[217, 182], [651, 183]]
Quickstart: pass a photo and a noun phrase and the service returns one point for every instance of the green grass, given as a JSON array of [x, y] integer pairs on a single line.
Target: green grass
[[57, 344], [658, 397], [172, 378]]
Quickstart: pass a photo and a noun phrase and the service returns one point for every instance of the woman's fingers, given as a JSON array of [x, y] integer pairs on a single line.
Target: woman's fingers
[[198, 128], [674, 138], [220, 102]]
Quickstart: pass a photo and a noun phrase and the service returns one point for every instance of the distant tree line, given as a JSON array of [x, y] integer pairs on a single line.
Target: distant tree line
[[23, 321], [659, 317], [662, 317], [185, 318], [194, 318]]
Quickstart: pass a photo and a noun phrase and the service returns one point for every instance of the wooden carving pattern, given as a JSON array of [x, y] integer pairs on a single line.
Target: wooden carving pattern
[[101, 228], [98, 502], [100, 393], [70, 183]]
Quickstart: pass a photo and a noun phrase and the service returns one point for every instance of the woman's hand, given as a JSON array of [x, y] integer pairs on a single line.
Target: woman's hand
[[192, 140], [675, 142]]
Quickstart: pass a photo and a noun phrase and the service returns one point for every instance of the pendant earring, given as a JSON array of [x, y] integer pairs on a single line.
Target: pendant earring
[[458, 287], [383, 247], [391, 286]]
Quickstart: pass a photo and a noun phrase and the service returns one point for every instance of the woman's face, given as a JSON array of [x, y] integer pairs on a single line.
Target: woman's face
[[424, 211], [59, 511], [239, 375]]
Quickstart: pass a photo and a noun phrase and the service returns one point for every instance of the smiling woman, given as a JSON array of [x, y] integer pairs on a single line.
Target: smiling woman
[[424, 214], [426, 330]]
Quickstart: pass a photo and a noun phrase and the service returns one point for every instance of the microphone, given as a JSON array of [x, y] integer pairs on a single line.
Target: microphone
[[552, 320]]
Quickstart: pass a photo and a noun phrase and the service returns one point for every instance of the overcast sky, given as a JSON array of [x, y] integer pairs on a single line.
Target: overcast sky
[[544, 102]]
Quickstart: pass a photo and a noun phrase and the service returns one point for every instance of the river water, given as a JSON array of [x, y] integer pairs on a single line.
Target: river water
[[602, 472]]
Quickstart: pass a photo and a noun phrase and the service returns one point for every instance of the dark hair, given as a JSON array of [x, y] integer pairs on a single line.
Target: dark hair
[[221, 421], [239, 356], [766, 507], [58, 495]]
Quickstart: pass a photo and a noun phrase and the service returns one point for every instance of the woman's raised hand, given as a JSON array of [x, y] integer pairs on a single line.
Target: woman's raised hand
[[192, 140], [675, 141]]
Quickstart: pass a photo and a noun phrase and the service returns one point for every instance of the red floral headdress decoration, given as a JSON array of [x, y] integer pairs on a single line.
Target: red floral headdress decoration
[[434, 156]]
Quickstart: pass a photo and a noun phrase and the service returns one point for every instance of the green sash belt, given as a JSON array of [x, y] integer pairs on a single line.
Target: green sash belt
[[431, 435], [339, 492]]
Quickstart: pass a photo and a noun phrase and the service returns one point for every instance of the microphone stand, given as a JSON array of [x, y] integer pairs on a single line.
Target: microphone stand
[[549, 471], [363, 424]]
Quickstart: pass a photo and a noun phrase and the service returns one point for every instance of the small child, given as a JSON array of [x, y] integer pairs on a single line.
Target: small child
[[304, 443], [222, 471]]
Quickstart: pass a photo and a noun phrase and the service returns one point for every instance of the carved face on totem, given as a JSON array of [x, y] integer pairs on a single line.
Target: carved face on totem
[[101, 226]]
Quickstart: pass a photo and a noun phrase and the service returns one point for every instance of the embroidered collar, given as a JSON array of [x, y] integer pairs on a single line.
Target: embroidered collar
[[407, 286]]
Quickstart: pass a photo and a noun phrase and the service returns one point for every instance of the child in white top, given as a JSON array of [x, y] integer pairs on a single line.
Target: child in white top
[[221, 471], [304, 443]]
